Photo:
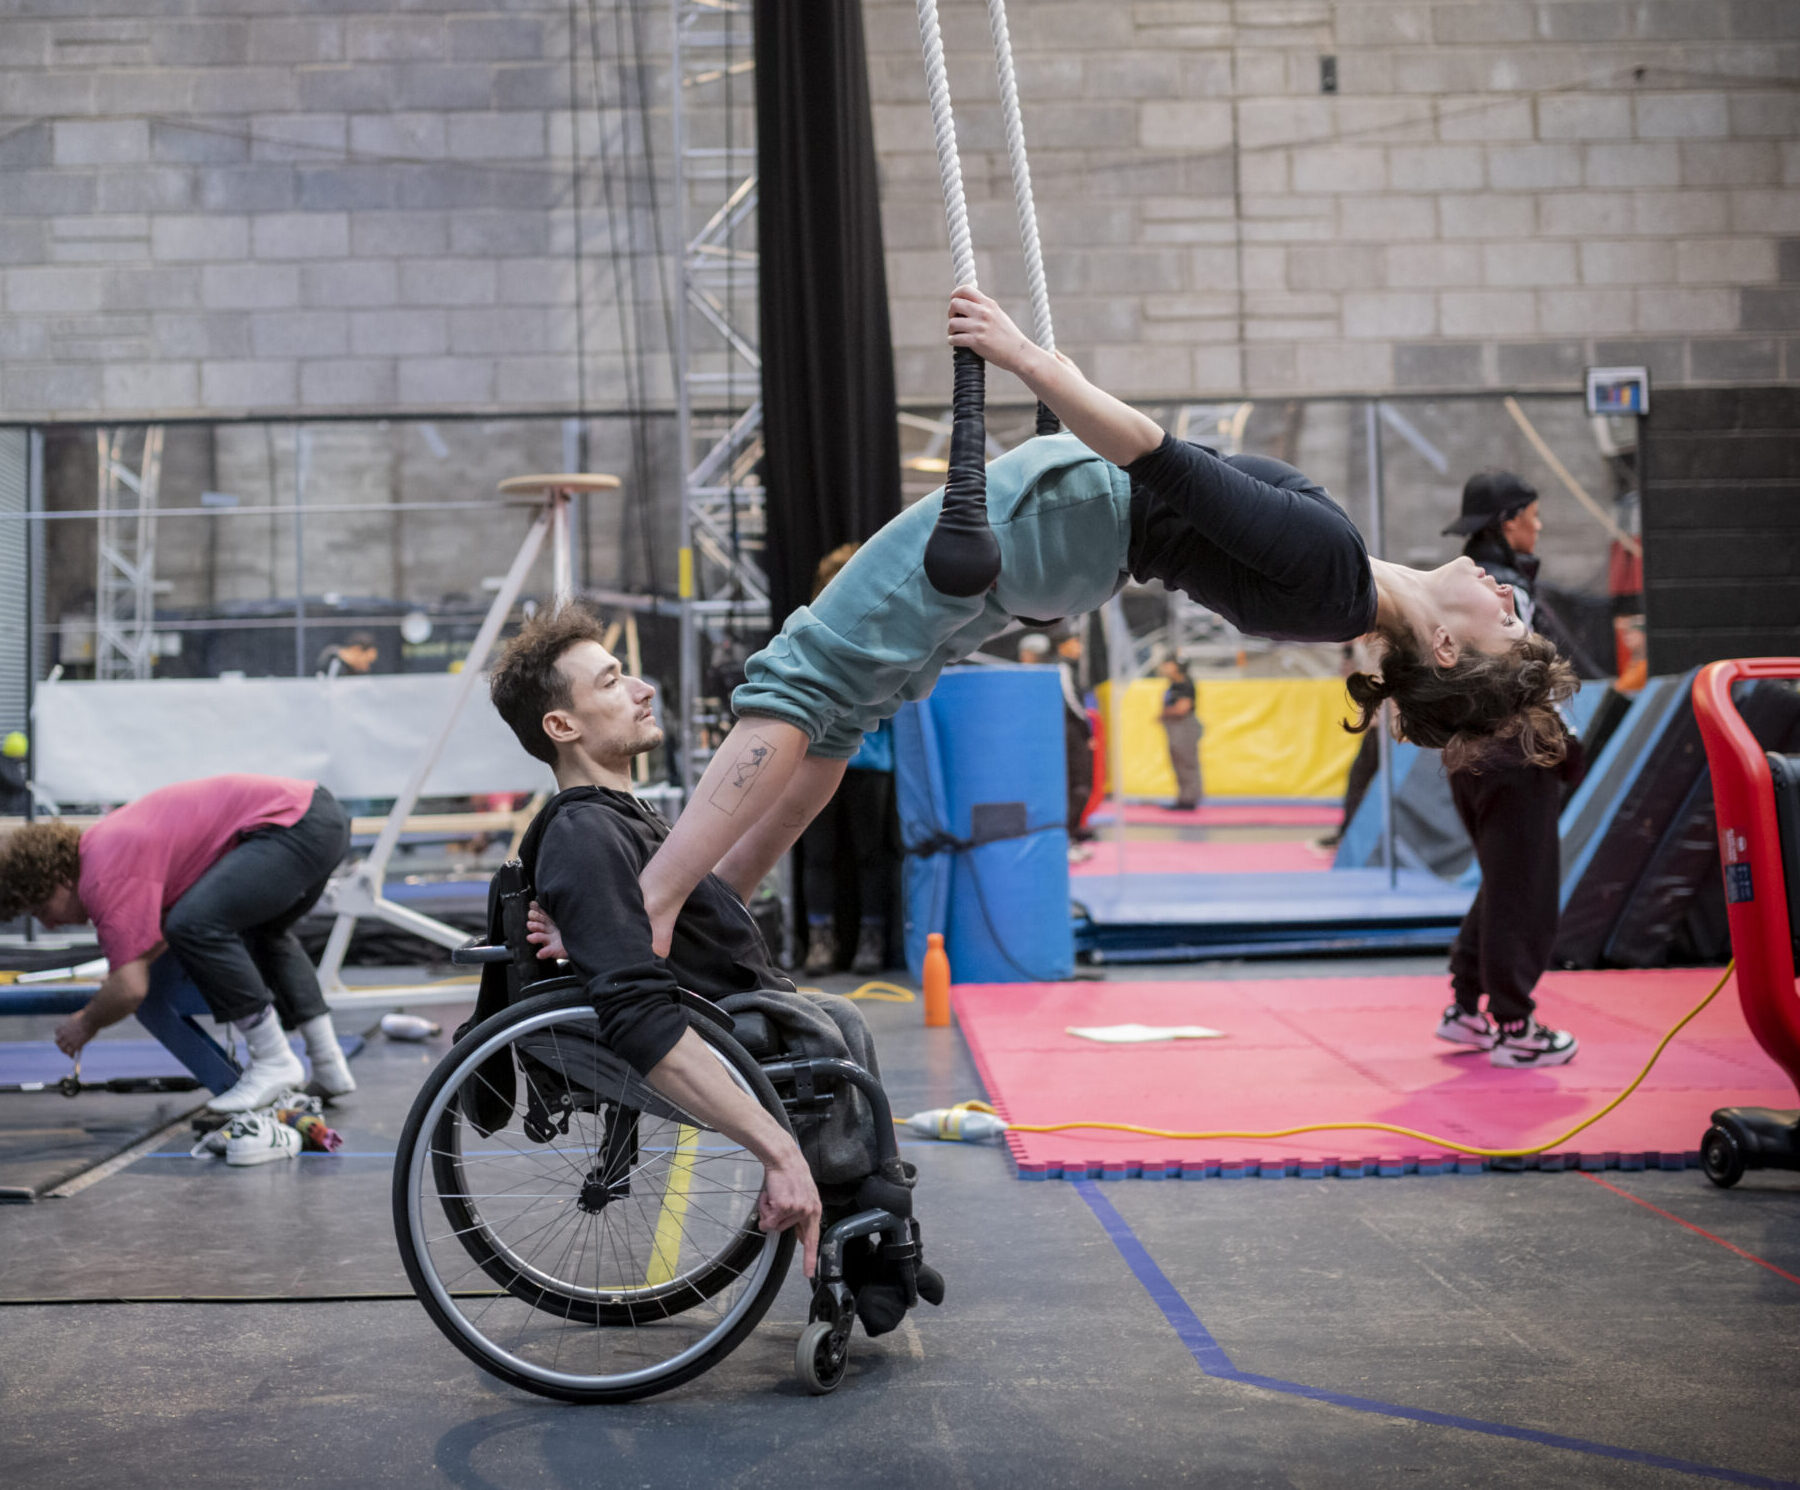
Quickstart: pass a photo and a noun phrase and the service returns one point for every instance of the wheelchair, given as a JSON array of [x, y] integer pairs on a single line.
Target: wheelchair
[[579, 1235]]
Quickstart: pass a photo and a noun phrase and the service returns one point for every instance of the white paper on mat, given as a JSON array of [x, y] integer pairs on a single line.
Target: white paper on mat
[[1143, 1034]]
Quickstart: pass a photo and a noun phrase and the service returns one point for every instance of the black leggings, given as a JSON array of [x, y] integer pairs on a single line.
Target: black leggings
[[233, 929]]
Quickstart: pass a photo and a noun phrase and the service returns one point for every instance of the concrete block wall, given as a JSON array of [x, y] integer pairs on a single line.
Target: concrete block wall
[[1499, 192], [222, 207], [227, 207]]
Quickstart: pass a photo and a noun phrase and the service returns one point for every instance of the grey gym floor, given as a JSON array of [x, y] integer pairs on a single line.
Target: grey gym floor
[[1120, 1334]]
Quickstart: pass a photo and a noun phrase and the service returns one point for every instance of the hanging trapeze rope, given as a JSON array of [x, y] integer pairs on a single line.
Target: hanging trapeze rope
[[962, 557]]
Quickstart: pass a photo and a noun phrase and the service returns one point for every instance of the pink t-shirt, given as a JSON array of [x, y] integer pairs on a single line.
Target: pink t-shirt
[[139, 860]]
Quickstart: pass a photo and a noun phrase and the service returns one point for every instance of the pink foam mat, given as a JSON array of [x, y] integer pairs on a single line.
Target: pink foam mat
[[1176, 857], [1226, 814], [1300, 1051]]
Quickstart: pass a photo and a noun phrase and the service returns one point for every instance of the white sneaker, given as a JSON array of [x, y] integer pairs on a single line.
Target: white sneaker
[[1533, 1045], [1460, 1027], [330, 1074], [261, 1083], [258, 1138]]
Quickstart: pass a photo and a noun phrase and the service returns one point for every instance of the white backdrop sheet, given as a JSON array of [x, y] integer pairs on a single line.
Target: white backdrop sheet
[[360, 737]]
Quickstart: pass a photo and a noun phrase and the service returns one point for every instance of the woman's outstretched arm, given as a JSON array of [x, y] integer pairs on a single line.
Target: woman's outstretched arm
[[1109, 428]]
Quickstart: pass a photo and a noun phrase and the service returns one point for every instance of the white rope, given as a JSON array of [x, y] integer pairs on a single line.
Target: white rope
[[1021, 174], [943, 121]]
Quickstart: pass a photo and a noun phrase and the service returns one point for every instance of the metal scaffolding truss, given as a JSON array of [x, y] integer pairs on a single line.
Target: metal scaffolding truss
[[724, 584], [125, 566]]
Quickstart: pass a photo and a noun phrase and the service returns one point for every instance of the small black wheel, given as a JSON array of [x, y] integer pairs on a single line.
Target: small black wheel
[[1721, 1158], [69, 1086], [820, 1357]]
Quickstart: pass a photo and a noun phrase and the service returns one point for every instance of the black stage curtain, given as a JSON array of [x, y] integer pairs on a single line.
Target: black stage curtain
[[832, 466]]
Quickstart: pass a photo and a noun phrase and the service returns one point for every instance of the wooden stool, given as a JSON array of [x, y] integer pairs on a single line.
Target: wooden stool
[[554, 493]]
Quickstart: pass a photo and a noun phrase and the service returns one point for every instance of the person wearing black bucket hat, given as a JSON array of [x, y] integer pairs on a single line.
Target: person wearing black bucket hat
[[1500, 518], [1509, 806]]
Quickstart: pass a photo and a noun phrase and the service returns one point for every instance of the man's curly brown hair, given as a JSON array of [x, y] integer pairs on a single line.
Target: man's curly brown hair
[[1470, 710], [36, 861], [526, 683]]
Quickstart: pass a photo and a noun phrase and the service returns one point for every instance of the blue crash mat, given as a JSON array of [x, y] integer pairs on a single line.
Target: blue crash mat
[[1342, 897], [23, 1061], [1175, 917]]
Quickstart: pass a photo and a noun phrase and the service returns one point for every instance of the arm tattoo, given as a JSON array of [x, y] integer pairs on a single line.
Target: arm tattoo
[[729, 794]]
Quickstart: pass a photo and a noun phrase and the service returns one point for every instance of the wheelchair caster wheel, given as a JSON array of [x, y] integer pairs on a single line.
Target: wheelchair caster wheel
[[1721, 1157], [820, 1357]]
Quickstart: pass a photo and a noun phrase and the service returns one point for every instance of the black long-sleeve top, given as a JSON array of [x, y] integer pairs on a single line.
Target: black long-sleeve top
[[586, 878], [1251, 538]]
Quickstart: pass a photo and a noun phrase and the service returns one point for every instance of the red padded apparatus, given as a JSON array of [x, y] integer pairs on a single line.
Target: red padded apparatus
[[1750, 854]]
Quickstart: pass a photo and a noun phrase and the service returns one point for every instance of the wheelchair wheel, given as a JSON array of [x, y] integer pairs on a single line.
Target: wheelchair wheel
[[583, 1237]]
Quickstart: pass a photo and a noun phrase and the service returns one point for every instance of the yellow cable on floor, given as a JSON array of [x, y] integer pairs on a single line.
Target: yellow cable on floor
[[1431, 1138], [883, 993], [874, 990]]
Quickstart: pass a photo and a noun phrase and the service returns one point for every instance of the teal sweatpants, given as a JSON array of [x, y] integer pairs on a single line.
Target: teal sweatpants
[[879, 634]]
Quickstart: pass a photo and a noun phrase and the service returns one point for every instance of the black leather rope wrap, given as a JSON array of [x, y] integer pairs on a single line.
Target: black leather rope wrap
[[962, 557]]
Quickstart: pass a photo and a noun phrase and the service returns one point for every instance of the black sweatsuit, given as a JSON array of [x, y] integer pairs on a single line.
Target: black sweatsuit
[[1511, 811], [586, 878]]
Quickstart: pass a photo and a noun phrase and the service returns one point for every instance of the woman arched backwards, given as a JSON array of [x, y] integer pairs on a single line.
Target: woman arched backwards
[[1075, 516]]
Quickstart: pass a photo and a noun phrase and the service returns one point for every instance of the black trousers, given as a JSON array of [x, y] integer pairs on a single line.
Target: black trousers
[[1362, 776], [1078, 753], [1505, 941], [233, 929], [850, 840]]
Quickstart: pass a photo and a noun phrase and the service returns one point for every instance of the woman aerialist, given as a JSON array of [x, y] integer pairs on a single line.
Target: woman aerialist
[[1075, 515]]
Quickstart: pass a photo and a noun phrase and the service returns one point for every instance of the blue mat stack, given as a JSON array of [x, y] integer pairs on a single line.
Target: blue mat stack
[[982, 789]]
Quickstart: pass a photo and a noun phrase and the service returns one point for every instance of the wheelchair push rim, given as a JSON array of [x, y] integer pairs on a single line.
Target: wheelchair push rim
[[521, 1277], [555, 1295]]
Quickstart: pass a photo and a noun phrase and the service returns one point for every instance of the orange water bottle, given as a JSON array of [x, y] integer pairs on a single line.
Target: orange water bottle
[[937, 982]]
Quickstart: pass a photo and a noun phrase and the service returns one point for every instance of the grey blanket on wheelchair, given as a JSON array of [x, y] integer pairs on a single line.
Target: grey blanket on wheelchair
[[839, 1143]]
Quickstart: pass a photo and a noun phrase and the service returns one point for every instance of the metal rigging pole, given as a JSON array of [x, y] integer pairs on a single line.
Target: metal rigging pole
[[125, 568], [718, 365]]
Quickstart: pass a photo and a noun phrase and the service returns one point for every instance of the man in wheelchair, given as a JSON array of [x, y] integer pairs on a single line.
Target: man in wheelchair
[[570, 704]]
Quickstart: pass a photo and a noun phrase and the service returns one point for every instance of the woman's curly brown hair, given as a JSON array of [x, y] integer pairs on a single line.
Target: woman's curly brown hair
[[36, 861], [1481, 702]]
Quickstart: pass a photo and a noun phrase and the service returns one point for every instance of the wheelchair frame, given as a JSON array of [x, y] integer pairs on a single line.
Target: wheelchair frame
[[801, 1085]]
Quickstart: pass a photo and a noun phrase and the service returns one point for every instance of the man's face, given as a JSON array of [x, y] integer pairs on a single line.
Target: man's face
[[356, 657], [609, 715]]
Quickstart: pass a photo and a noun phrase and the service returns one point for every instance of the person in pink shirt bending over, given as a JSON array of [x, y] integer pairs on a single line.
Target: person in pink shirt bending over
[[216, 871]]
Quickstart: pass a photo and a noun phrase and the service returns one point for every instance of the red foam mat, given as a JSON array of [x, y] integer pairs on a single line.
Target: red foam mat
[[1226, 814], [1323, 1050], [1158, 857]]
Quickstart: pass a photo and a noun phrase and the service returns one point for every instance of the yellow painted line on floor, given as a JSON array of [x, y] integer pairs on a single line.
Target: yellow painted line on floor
[[665, 1251]]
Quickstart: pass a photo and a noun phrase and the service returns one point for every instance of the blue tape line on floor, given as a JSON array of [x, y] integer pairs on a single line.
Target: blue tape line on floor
[[1213, 1360]]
